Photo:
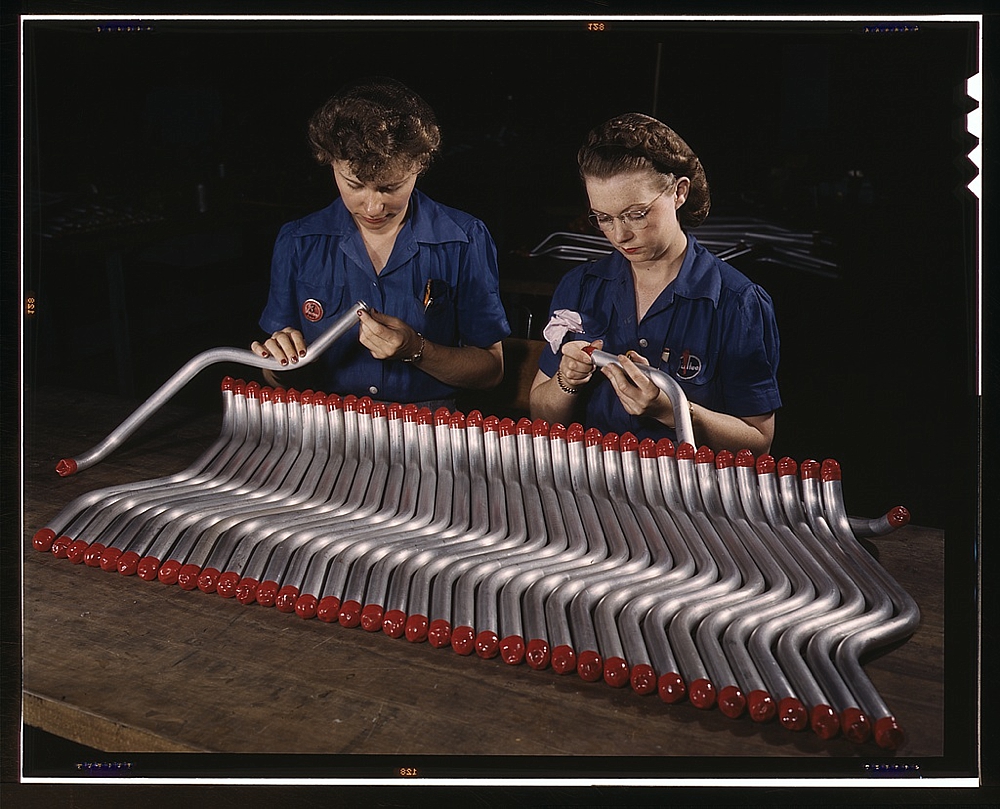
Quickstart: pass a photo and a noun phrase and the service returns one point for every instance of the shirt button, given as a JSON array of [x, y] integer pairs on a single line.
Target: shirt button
[[373, 390], [643, 342]]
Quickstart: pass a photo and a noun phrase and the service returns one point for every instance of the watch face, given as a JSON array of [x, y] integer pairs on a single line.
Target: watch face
[[312, 310]]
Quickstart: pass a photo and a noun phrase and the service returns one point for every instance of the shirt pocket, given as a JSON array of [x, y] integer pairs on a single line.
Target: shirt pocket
[[319, 306], [695, 370], [435, 302]]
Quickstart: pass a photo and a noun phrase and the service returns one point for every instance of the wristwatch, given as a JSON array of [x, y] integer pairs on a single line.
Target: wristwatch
[[420, 351]]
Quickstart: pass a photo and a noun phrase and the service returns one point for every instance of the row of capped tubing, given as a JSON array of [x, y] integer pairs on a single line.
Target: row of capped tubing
[[729, 580]]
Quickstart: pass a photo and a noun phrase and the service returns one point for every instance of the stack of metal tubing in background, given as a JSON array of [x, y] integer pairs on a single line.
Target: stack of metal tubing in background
[[728, 237], [723, 579]]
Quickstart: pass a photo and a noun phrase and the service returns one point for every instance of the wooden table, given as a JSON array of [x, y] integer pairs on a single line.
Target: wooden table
[[132, 667]]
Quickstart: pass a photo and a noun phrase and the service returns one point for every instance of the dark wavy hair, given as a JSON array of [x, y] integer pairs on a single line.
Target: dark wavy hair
[[375, 125], [636, 142]]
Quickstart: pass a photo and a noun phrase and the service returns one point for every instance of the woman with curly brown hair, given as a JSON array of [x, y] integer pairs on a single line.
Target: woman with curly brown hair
[[428, 272], [660, 299]]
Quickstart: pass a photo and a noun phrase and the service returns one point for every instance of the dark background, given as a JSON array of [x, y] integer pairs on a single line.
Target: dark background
[[824, 128]]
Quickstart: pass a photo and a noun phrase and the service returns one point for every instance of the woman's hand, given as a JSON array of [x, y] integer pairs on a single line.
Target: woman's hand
[[576, 367], [636, 391], [387, 337], [286, 346]]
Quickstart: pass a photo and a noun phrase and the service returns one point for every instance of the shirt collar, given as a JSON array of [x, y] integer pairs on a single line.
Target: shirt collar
[[698, 276], [428, 222]]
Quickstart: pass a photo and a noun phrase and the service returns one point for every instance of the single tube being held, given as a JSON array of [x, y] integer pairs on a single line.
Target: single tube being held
[[69, 466], [678, 400]]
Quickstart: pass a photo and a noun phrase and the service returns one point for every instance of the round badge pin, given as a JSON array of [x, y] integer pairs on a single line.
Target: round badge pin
[[312, 310]]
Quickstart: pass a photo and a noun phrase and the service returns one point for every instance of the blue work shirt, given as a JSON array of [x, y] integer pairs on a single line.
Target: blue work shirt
[[441, 279], [712, 329]]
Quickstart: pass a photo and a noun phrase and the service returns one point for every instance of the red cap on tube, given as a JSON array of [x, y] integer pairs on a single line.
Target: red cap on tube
[[92, 557], [590, 666], [463, 639], [888, 734], [169, 571], [267, 593], [60, 547], [394, 623], [760, 706], [765, 465], [227, 583], [671, 687], [328, 609], [787, 466], [512, 650], [665, 448], [616, 672], [417, 628], [286, 598], [792, 714], [563, 659], [76, 550], [824, 721], [109, 559], [439, 633], [306, 606], [206, 581], [702, 693], [246, 590], [350, 614], [809, 470], [149, 567], [128, 562], [855, 725], [830, 470], [537, 655], [187, 576], [487, 644], [371, 617], [42, 541], [643, 679], [725, 460], [704, 455], [732, 703]]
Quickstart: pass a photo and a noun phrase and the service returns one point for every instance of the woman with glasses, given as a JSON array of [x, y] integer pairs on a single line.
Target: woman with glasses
[[661, 300], [428, 272]]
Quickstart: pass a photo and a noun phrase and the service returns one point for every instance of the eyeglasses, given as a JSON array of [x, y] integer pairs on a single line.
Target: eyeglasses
[[633, 220]]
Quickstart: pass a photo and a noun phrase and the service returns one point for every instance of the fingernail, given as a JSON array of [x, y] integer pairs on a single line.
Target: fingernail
[[264, 354], [302, 353], [284, 362]]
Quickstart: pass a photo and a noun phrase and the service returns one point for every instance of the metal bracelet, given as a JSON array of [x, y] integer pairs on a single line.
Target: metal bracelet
[[420, 351], [566, 388]]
